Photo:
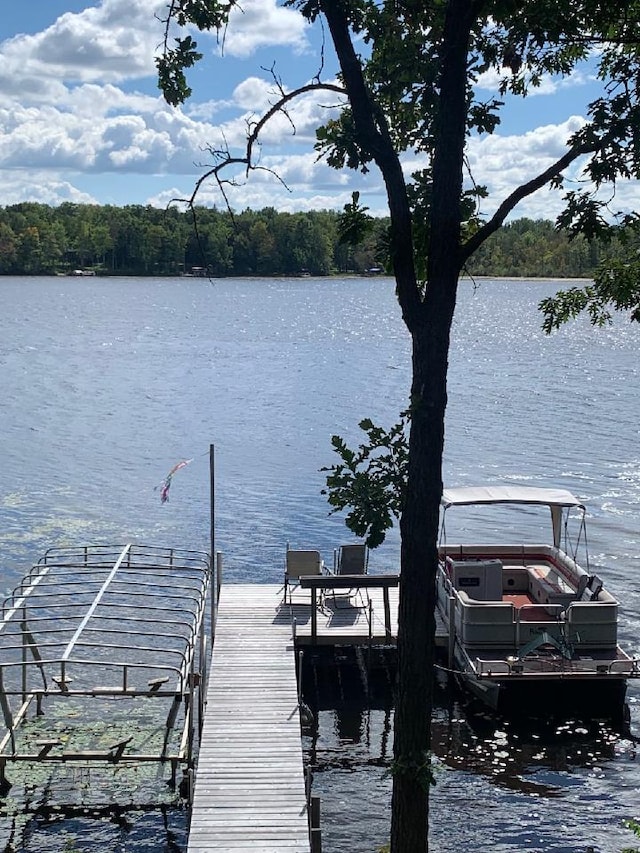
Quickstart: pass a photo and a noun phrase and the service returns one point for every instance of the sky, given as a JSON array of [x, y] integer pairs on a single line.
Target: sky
[[82, 119]]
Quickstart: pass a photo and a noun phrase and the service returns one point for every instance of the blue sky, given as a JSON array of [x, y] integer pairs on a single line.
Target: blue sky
[[81, 118]]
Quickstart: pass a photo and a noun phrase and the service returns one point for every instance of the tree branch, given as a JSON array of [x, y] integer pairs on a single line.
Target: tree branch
[[522, 192], [247, 159], [374, 138]]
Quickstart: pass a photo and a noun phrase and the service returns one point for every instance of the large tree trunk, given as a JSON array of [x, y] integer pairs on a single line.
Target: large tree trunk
[[416, 620], [428, 317], [430, 328]]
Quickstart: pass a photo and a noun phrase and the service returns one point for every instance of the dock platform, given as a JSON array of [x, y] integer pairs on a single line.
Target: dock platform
[[249, 791]]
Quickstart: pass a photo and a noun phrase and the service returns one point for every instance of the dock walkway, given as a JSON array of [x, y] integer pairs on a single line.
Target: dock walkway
[[249, 793]]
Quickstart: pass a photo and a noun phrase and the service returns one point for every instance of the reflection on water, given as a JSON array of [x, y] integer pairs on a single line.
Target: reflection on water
[[106, 384], [85, 831], [530, 784]]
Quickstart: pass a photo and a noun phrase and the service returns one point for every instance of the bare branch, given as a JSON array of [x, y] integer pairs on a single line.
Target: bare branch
[[248, 160]]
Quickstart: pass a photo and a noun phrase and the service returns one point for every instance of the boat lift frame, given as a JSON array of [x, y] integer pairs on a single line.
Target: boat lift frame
[[107, 622]]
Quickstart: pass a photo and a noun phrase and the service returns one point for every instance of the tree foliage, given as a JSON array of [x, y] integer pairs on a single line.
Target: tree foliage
[[142, 240], [36, 239], [370, 482], [615, 286]]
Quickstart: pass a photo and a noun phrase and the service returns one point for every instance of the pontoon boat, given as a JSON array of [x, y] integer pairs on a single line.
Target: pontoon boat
[[527, 623]]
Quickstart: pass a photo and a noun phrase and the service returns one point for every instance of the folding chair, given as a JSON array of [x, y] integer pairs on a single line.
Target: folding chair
[[298, 563], [350, 559]]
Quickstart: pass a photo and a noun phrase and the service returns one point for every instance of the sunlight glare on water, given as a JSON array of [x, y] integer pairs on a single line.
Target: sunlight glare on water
[[107, 383]]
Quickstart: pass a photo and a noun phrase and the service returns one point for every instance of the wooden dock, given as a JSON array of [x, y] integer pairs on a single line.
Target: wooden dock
[[249, 789]]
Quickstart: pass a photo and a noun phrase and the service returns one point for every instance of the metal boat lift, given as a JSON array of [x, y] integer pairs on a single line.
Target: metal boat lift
[[96, 624]]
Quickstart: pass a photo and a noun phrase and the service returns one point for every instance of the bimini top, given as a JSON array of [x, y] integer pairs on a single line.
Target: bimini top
[[467, 495]]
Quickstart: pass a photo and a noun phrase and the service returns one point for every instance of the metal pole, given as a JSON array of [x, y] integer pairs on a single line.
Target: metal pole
[[452, 631], [215, 565], [212, 487]]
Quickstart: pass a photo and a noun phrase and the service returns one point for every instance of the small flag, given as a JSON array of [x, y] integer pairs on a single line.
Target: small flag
[[165, 485]]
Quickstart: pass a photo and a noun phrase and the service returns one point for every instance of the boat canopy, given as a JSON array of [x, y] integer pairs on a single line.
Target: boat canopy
[[558, 500], [467, 495]]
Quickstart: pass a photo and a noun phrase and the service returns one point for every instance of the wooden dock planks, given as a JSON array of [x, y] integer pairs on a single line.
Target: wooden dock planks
[[249, 792]]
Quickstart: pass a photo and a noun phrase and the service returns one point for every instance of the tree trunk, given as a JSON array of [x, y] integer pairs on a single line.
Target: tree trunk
[[430, 328], [429, 320], [416, 619]]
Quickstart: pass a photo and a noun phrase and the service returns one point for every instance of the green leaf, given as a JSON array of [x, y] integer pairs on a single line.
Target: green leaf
[[369, 483]]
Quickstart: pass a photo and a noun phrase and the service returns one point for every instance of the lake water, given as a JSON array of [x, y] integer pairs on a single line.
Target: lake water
[[106, 384]]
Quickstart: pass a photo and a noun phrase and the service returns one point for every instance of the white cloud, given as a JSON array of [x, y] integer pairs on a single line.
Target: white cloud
[[255, 24], [503, 163], [583, 75], [254, 94], [305, 170], [521, 157], [257, 195], [205, 110], [110, 42], [43, 187], [101, 129], [142, 134]]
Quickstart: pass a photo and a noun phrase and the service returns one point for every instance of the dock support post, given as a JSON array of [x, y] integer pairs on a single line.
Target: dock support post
[[387, 613], [314, 616], [5, 785], [314, 826]]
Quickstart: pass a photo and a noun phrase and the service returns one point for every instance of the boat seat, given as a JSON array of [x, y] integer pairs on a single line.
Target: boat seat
[[594, 584], [582, 586], [485, 623], [546, 586], [592, 625]]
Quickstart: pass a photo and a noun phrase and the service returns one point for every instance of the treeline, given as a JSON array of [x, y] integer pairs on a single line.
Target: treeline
[[36, 239], [535, 248]]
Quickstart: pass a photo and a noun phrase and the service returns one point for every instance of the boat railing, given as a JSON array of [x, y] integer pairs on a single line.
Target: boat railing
[[515, 666], [540, 613], [532, 620], [629, 667], [493, 667]]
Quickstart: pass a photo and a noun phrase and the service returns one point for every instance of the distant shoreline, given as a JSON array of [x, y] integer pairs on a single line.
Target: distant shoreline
[[523, 278], [285, 277]]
